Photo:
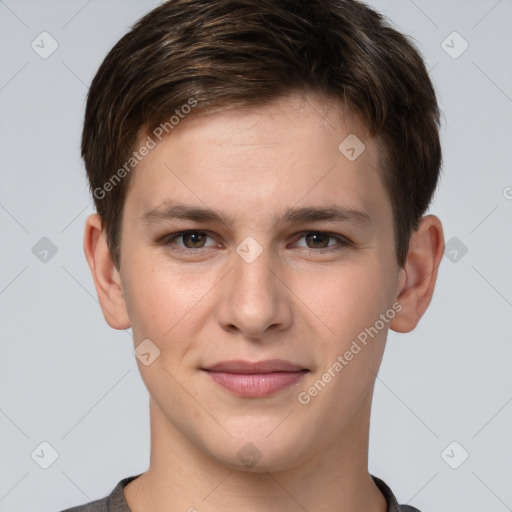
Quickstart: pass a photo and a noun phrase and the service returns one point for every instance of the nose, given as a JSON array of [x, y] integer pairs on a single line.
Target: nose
[[255, 300]]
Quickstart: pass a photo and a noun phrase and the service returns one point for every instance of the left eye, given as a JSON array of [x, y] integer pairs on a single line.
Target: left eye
[[320, 240], [194, 240]]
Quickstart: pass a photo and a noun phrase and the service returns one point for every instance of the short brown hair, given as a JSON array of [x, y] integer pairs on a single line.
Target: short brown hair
[[236, 53]]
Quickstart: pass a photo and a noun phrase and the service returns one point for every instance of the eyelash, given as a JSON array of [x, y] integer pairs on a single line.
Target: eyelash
[[169, 240]]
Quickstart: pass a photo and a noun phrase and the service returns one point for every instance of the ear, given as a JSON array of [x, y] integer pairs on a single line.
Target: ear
[[106, 277], [419, 274]]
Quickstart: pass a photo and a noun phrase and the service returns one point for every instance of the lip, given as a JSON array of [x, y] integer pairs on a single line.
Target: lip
[[256, 379]]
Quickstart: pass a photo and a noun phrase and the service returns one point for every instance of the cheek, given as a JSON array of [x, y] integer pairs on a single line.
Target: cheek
[[151, 300], [165, 304], [346, 300]]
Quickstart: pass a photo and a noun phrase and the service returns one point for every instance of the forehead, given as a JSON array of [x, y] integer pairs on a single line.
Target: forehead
[[296, 148]]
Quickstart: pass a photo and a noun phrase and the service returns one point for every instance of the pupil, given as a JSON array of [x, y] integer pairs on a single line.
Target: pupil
[[196, 238], [313, 236]]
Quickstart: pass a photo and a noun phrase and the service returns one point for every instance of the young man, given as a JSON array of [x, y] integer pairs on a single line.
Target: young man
[[261, 169]]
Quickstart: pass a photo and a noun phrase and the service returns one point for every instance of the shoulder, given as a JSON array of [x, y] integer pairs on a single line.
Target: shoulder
[[114, 502], [393, 505], [100, 505]]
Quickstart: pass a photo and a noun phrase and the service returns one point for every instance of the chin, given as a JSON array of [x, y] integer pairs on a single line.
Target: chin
[[259, 454], [269, 463]]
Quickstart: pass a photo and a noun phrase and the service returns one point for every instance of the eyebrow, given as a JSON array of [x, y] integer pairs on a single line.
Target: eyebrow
[[333, 213]]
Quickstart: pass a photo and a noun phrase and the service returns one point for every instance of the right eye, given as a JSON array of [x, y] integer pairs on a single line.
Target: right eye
[[192, 240]]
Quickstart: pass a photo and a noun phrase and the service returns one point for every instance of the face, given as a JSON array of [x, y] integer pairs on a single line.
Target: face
[[259, 260]]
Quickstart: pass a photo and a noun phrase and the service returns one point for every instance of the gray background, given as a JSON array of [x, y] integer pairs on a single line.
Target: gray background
[[69, 380]]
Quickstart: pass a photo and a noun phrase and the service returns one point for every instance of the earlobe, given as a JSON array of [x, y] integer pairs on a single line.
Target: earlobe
[[106, 277], [418, 277]]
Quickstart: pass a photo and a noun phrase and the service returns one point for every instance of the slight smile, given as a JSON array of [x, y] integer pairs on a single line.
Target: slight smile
[[256, 379]]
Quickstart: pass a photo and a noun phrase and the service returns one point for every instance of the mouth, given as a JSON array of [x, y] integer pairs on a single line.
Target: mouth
[[256, 379]]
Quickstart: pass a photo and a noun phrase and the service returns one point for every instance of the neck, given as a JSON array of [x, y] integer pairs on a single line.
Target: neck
[[182, 477]]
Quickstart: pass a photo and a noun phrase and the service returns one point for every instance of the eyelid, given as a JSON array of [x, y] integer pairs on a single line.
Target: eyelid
[[342, 241], [172, 237]]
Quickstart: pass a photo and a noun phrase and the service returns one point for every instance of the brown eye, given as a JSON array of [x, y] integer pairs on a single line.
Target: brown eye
[[318, 240], [186, 241], [322, 242], [194, 239]]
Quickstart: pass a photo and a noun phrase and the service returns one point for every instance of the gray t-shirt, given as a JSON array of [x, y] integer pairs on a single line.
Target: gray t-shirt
[[115, 501]]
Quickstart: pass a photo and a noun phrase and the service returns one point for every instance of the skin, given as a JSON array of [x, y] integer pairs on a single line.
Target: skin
[[296, 301]]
